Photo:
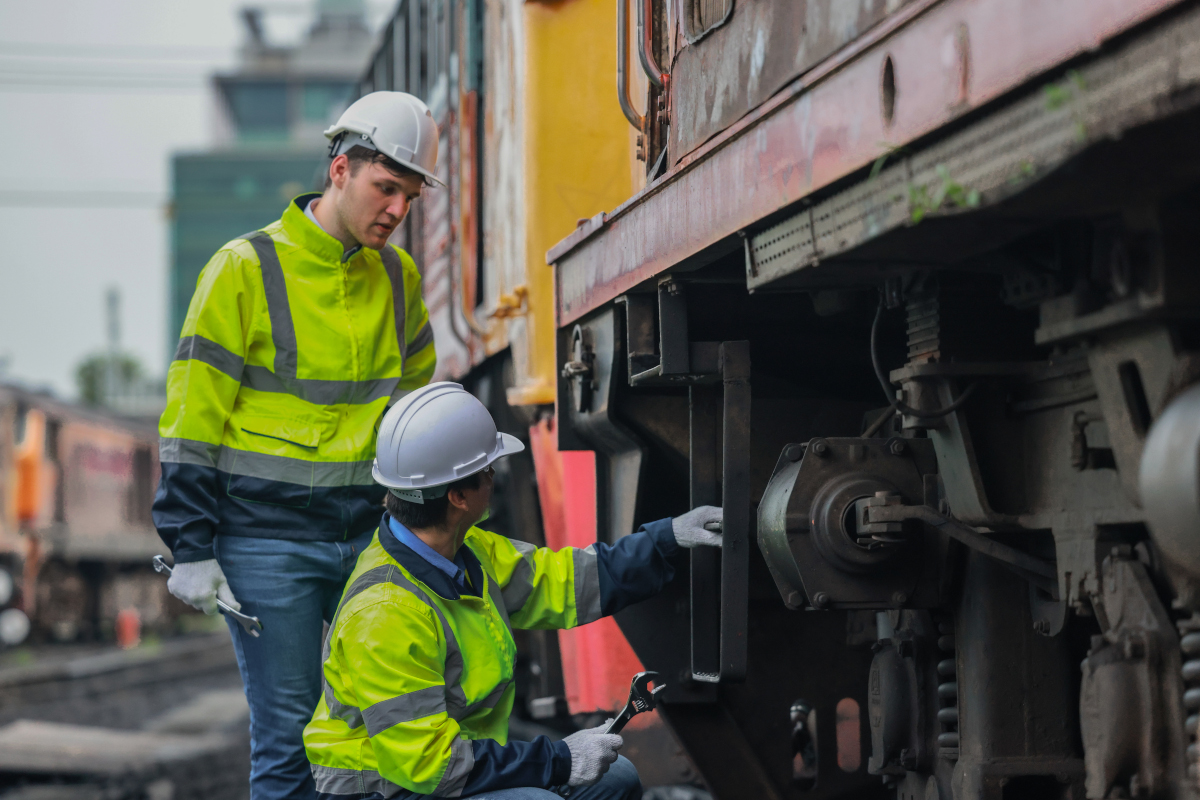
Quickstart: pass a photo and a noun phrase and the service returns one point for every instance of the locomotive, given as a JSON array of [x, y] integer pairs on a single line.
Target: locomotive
[[907, 287], [76, 538]]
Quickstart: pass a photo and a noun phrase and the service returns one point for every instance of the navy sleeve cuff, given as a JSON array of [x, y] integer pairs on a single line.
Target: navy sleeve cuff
[[664, 537], [562, 763], [540, 764], [185, 510], [186, 555], [636, 567]]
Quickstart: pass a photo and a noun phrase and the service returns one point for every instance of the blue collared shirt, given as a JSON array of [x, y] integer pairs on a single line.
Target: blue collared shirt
[[455, 569], [308, 212]]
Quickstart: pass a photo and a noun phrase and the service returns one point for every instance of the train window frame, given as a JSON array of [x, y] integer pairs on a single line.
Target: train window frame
[[695, 31]]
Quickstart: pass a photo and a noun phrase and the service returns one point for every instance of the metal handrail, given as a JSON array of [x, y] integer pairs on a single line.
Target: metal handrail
[[635, 119], [646, 44]]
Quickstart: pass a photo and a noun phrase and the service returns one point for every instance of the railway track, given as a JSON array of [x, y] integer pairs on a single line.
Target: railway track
[[165, 722]]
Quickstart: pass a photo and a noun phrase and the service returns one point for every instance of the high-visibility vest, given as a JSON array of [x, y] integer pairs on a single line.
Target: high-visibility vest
[[412, 677], [288, 358]]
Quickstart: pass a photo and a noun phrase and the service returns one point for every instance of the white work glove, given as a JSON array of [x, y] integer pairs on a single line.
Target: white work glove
[[592, 752], [200, 583], [689, 528]]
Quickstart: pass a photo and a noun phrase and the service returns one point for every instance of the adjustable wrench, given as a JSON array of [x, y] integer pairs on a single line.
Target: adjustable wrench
[[641, 698], [252, 625]]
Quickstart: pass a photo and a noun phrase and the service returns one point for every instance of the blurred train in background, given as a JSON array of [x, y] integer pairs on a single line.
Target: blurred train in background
[[76, 537]]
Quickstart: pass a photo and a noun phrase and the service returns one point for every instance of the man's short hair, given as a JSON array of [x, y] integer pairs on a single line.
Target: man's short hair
[[359, 156], [431, 513]]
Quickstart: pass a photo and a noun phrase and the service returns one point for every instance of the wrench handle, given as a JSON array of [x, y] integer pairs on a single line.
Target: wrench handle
[[252, 625], [619, 721]]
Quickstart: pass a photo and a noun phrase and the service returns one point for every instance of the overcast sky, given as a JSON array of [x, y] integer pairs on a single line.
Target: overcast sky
[[95, 95]]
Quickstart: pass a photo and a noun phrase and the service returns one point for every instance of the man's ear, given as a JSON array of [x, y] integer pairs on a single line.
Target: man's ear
[[339, 171], [457, 499]]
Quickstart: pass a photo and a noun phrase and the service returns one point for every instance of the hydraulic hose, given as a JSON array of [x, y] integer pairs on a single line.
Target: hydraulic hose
[[890, 392]]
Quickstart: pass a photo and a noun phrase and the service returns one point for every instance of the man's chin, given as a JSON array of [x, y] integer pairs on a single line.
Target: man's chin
[[375, 240]]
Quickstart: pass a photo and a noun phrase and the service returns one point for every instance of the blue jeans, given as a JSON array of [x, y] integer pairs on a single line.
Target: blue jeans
[[293, 587], [619, 783]]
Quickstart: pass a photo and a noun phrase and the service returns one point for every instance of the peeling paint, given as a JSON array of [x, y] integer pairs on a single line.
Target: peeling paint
[[757, 57]]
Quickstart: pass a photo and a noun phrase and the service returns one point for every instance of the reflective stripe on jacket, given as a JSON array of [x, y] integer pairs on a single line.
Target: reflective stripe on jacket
[[288, 358], [419, 676]]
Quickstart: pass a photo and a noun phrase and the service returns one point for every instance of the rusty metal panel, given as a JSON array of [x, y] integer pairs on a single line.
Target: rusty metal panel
[[830, 123], [764, 45], [991, 160], [503, 168], [441, 255]]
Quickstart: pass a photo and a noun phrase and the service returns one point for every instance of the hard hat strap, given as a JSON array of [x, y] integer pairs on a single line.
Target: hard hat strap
[[346, 140], [419, 496]]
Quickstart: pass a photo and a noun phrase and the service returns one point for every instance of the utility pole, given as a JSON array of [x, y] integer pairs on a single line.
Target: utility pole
[[111, 378]]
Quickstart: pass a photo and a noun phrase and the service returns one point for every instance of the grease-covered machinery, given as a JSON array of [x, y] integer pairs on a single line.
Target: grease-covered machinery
[[911, 289]]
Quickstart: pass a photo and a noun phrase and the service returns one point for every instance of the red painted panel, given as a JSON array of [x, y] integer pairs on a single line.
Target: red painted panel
[[597, 660]]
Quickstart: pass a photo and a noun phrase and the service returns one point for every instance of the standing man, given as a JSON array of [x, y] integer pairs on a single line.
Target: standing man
[[420, 655], [297, 339]]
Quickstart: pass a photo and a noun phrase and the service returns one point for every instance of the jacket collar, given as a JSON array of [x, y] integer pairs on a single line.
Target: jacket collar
[[441, 583], [307, 234]]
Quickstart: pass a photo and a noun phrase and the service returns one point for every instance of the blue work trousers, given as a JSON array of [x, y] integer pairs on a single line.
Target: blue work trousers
[[621, 782], [293, 587]]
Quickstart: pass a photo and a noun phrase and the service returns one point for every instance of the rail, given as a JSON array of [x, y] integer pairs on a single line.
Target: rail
[[635, 119], [646, 44]]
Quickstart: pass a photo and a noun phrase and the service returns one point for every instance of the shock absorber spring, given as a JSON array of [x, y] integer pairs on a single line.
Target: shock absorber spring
[[1190, 644], [947, 692]]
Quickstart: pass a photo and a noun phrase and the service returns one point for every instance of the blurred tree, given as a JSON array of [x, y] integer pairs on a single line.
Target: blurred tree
[[101, 377]]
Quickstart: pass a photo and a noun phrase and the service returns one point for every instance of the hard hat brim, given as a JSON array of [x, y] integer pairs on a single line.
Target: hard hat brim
[[429, 176], [507, 445]]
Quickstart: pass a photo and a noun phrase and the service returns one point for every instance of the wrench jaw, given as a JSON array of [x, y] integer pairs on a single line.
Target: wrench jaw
[[641, 698]]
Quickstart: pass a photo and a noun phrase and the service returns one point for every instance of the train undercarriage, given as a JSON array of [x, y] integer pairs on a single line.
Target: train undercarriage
[[949, 406]]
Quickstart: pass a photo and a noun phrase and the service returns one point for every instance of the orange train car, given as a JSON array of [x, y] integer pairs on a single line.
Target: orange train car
[[76, 486]]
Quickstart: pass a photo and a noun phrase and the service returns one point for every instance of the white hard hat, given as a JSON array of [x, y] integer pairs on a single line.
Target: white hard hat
[[437, 435], [394, 123]]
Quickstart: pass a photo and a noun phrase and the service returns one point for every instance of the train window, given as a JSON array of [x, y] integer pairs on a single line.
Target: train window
[[53, 431], [19, 423], [705, 15], [849, 735]]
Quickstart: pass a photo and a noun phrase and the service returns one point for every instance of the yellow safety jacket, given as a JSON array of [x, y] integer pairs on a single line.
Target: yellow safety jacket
[[419, 674], [291, 351]]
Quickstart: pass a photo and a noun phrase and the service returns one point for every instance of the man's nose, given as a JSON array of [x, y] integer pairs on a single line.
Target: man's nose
[[398, 208]]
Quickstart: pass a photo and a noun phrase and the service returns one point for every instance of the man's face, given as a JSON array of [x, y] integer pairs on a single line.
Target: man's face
[[373, 201]]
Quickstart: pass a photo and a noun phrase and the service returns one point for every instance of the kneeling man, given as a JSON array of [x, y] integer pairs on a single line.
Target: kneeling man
[[418, 664]]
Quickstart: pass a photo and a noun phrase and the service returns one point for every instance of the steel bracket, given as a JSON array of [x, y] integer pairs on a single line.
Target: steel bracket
[[720, 579]]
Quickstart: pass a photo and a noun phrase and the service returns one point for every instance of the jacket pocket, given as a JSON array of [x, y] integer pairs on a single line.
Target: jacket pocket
[[281, 474]]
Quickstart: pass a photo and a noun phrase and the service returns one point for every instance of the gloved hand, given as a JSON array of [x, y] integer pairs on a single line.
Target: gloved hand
[[592, 752], [200, 583], [689, 528]]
